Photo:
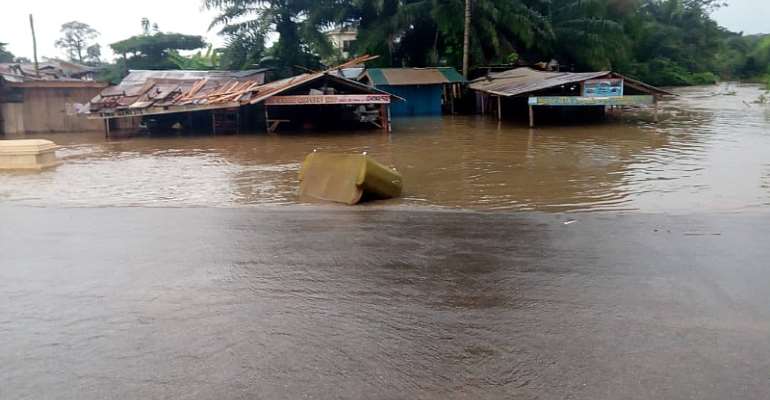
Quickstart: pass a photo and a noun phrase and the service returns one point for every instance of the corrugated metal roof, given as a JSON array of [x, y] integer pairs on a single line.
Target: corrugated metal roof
[[413, 76], [519, 81], [143, 89], [163, 92], [50, 70]]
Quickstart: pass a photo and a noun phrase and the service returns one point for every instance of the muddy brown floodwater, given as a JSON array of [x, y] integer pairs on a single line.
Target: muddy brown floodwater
[[710, 153], [619, 260]]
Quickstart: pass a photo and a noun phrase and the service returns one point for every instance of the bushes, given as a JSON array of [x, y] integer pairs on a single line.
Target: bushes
[[664, 72]]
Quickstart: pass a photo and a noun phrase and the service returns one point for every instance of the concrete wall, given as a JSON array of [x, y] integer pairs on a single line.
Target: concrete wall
[[50, 110]]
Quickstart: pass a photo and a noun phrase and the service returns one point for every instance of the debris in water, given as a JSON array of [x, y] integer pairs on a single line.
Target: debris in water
[[347, 178]]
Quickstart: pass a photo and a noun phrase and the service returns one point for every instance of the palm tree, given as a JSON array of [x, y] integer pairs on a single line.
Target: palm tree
[[466, 38], [298, 23], [401, 29], [584, 34]]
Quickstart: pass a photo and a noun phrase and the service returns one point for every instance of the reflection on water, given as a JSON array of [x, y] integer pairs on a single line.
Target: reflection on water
[[708, 153]]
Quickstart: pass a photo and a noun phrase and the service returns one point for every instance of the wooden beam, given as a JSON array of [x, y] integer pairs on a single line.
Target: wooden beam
[[390, 127], [499, 110]]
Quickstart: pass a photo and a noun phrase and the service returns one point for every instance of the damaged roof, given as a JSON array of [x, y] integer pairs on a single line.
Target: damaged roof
[[164, 92], [145, 89], [413, 76], [520, 81], [48, 71]]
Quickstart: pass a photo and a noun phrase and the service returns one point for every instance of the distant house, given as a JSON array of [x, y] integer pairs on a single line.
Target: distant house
[[343, 39], [46, 100], [552, 93], [427, 91]]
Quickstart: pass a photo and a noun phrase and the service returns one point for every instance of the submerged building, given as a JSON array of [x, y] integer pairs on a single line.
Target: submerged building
[[235, 101], [539, 93], [46, 99], [426, 91]]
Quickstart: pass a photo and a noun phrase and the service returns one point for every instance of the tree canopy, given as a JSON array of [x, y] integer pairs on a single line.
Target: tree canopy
[[660, 41], [151, 49], [5, 55], [77, 38]]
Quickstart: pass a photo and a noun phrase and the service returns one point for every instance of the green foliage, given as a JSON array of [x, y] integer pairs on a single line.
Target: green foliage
[[76, 38], [199, 61], [5, 55], [664, 42], [242, 51], [151, 49], [299, 25]]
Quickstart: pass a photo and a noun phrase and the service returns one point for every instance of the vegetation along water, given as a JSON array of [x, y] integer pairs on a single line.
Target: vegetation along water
[[662, 42]]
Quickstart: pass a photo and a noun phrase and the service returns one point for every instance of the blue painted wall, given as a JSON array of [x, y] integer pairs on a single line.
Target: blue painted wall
[[420, 99]]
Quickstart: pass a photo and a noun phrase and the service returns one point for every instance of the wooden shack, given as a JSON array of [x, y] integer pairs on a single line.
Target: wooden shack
[[235, 101], [46, 100], [426, 91], [535, 93]]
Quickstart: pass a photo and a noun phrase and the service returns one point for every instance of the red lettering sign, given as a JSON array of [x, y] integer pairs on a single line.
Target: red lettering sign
[[328, 99]]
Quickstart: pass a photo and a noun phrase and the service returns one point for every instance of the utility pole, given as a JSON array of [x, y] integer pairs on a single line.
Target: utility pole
[[466, 38], [34, 45]]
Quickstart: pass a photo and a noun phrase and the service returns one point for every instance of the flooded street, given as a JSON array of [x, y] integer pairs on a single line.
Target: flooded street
[[288, 303], [710, 153], [620, 260]]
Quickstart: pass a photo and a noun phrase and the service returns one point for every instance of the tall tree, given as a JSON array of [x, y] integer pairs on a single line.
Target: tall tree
[[299, 25], [466, 38], [76, 38], [151, 50], [5, 55], [585, 35], [410, 29], [94, 54]]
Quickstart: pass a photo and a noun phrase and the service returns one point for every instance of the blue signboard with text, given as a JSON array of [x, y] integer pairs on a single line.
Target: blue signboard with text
[[603, 88]]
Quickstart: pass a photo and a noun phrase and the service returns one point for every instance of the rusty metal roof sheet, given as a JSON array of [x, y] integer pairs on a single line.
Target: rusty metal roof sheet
[[145, 89], [161, 92], [50, 70], [519, 81]]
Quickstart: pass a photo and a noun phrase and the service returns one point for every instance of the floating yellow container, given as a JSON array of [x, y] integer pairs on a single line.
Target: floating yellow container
[[347, 178], [33, 154]]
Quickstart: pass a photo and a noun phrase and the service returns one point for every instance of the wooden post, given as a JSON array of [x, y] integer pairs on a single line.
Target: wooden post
[[213, 122], [34, 45], [531, 117], [106, 128], [499, 109], [384, 118], [390, 129], [267, 120]]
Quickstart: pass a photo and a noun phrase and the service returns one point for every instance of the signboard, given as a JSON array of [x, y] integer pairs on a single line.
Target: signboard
[[603, 87], [590, 101], [328, 99]]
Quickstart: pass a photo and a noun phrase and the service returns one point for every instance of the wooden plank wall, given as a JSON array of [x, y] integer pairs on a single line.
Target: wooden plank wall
[[46, 110], [11, 118]]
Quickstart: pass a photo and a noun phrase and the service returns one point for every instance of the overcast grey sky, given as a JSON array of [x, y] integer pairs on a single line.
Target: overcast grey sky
[[117, 20]]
